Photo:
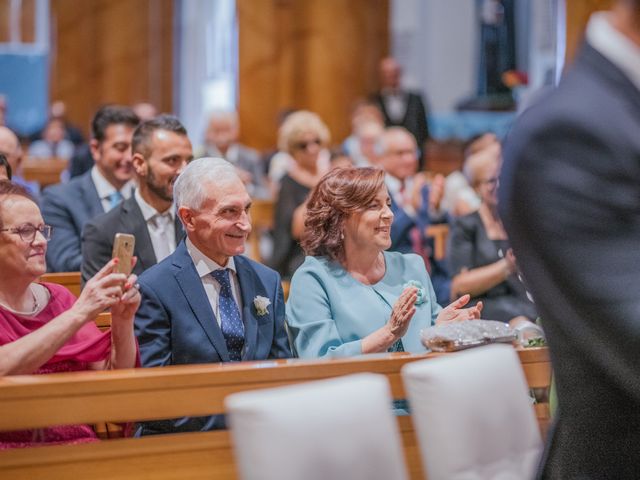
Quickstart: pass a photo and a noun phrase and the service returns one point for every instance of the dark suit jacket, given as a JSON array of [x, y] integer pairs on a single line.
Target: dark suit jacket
[[570, 200], [67, 207], [97, 238], [82, 161], [175, 324], [415, 117], [401, 242]]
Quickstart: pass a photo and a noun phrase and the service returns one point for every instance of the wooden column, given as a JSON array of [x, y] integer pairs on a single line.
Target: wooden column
[[111, 51], [319, 55]]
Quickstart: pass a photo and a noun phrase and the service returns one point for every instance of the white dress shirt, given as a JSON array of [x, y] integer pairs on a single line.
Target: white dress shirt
[[105, 189], [615, 46], [161, 227], [395, 103], [204, 266]]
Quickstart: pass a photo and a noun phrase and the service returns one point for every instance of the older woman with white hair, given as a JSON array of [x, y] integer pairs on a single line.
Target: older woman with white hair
[[304, 136]]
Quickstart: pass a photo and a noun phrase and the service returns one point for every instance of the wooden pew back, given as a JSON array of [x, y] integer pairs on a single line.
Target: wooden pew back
[[36, 401], [71, 280], [44, 171]]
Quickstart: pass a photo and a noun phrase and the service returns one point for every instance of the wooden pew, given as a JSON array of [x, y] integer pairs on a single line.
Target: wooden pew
[[262, 212], [71, 280], [439, 233], [35, 401], [45, 171]]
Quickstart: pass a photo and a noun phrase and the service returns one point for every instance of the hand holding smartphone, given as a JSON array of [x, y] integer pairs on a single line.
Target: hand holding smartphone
[[123, 244]]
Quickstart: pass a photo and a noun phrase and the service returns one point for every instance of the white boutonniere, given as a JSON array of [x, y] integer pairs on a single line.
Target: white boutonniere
[[261, 303], [422, 293]]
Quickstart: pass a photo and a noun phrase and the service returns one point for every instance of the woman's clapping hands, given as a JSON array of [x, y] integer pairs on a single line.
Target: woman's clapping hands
[[402, 312], [455, 313]]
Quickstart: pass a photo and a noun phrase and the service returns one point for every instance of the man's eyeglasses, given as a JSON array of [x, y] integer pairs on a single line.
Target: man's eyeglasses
[[28, 232], [305, 145]]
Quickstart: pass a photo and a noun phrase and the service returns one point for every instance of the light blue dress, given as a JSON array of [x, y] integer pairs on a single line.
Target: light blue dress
[[329, 312]]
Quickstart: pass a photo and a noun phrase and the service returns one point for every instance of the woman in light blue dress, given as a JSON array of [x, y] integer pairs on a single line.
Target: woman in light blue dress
[[350, 297]]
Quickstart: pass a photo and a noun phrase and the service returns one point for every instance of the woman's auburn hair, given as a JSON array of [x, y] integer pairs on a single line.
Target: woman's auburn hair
[[339, 194]]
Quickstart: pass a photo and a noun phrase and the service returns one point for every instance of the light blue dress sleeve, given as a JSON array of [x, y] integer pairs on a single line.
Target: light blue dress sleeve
[[310, 315]]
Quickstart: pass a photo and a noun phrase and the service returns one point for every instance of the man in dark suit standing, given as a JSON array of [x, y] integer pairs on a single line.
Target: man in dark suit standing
[[206, 302], [67, 207], [161, 150], [570, 200], [401, 107]]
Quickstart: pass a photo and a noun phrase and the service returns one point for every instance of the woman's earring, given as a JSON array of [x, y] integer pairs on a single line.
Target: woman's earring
[[341, 235]]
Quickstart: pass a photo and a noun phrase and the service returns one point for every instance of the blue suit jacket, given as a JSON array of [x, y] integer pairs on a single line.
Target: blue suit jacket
[[401, 242], [67, 207], [175, 324]]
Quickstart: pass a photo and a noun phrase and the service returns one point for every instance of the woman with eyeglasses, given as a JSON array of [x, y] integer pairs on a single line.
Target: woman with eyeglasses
[[304, 136], [480, 258], [43, 327]]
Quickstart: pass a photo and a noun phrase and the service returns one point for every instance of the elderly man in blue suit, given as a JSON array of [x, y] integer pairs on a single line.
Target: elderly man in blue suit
[[67, 207], [206, 302]]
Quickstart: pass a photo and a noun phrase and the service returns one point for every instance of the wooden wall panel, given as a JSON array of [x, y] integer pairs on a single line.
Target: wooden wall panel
[[319, 55], [111, 51], [577, 14], [27, 23]]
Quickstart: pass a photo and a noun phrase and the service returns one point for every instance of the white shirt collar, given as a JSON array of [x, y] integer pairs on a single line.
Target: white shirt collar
[[615, 46], [105, 189], [148, 212], [204, 265]]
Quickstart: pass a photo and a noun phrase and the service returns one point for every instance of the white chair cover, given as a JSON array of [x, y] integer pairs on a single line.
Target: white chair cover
[[473, 416], [341, 428]]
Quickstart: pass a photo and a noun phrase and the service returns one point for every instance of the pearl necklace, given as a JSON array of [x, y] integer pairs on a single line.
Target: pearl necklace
[[34, 311]]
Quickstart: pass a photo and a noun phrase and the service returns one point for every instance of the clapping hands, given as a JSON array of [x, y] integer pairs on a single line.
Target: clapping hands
[[455, 313]]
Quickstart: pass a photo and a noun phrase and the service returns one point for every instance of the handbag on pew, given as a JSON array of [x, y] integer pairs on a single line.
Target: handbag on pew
[[451, 337]]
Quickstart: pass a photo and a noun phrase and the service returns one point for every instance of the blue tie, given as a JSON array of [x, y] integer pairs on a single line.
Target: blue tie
[[114, 199], [230, 321]]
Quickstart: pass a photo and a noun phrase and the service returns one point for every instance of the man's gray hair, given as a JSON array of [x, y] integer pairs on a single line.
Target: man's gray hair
[[189, 191]]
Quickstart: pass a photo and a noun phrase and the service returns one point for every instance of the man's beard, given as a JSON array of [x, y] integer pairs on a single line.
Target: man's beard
[[161, 191]]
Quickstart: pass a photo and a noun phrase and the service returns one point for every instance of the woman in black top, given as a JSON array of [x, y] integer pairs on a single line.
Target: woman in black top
[[304, 136], [480, 257]]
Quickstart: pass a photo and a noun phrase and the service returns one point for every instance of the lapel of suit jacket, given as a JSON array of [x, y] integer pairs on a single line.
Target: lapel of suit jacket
[[134, 222], [250, 288], [90, 196], [193, 290], [178, 229]]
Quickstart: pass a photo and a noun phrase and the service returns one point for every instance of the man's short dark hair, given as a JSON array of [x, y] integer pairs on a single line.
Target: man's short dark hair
[[5, 163], [141, 142], [108, 115]]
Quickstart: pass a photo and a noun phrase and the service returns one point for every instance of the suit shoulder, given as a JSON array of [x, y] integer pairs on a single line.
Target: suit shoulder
[[62, 191], [106, 219], [258, 267]]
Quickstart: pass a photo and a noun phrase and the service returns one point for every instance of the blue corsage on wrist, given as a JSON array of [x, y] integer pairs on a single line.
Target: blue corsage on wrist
[[422, 293]]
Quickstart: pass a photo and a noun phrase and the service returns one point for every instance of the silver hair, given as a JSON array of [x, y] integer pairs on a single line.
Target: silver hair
[[391, 132], [188, 191]]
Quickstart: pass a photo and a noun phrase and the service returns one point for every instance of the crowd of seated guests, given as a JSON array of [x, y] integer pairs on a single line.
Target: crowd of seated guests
[[349, 231]]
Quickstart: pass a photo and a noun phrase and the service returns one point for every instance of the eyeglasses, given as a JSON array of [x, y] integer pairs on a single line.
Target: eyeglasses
[[492, 182], [28, 232], [305, 145]]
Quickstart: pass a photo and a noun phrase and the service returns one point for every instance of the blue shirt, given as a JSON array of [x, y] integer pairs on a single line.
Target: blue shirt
[[329, 311]]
